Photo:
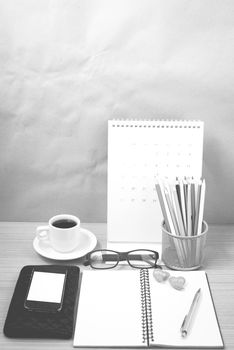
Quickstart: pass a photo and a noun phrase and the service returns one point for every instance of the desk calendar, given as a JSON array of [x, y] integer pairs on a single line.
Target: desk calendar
[[140, 151]]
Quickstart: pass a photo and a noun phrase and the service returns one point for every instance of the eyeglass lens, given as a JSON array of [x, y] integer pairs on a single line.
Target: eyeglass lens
[[142, 259], [104, 259]]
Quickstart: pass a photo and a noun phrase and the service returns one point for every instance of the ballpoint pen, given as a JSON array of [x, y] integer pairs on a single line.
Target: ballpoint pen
[[187, 320]]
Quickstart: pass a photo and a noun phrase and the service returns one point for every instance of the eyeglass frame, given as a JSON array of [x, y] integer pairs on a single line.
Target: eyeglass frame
[[122, 256]]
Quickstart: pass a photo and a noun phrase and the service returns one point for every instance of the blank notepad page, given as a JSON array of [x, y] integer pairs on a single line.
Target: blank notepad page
[[138, 153], [109, 313]]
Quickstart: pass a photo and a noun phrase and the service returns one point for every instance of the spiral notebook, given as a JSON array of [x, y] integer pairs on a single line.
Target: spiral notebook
[[140, 151], [129, 308]]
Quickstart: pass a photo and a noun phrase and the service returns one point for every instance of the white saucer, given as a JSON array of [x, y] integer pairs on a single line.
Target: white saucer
[[87, 243]]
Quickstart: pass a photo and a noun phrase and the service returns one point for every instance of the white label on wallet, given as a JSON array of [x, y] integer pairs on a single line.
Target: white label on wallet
[[46, 287]]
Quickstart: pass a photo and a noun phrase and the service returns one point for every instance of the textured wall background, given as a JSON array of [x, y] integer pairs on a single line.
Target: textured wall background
[[66, 67]]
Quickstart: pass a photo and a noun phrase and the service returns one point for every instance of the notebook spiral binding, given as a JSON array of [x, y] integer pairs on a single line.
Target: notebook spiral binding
[[146, 309]]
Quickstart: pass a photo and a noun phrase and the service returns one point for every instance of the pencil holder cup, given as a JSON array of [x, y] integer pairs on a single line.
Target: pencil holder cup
[[183, 252]]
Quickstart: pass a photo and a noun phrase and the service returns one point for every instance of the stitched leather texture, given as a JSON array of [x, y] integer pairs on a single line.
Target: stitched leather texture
[[23, 323]]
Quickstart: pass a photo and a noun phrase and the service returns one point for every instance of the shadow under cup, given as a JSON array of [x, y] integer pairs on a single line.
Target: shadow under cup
[[183, 252]]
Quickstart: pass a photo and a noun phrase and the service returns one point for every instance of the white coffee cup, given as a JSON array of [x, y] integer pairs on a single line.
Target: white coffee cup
[[62, 232]]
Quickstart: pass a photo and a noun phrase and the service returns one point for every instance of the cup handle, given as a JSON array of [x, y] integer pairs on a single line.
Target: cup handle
[[42, 233]]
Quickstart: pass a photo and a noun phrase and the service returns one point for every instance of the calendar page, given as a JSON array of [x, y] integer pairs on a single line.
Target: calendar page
[[138, 153]]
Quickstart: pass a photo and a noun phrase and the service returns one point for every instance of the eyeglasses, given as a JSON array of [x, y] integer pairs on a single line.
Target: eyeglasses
[[108, 259]]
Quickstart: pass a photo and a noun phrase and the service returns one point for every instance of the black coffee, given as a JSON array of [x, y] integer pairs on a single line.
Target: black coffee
[[64, 223]]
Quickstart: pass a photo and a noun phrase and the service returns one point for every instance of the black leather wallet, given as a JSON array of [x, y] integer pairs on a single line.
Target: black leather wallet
[[23, 323]]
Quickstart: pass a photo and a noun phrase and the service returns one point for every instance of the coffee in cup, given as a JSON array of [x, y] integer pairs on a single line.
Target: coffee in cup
[[62, 232], [64, 223]]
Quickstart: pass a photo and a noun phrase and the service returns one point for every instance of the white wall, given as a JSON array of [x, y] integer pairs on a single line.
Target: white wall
[[66, 67]]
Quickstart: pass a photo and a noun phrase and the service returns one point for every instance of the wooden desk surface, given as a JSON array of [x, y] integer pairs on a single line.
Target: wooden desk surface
[[17, 251]]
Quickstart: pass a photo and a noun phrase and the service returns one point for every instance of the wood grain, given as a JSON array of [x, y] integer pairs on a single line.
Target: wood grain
[[17, 250]]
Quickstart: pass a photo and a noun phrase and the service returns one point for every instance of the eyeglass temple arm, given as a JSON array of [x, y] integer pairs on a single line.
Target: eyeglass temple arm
[[151, 263], [106, 257], [87, 261], [122, 256]]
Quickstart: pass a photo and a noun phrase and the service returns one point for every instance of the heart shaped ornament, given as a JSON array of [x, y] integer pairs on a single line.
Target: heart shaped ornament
[[161, 275], [177, 282]]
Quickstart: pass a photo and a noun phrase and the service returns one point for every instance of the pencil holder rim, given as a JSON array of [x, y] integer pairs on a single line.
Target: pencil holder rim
[[204, 232]]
